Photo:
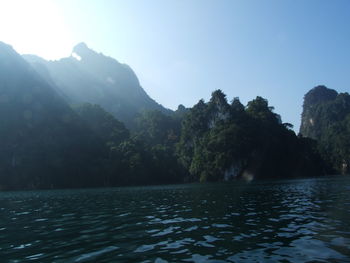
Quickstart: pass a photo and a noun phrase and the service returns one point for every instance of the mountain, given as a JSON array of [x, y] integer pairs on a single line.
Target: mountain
[[88, 76], [310, 120], [326, 118], [43, 142]]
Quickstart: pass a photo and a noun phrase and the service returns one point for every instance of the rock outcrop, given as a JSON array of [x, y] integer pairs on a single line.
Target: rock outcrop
[[326, 118], [310, 119]]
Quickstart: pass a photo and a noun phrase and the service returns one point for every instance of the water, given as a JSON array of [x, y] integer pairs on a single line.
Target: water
[[271, 221]]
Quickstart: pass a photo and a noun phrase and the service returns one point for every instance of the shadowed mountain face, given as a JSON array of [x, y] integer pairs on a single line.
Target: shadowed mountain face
[[87, 76], [43, 142]]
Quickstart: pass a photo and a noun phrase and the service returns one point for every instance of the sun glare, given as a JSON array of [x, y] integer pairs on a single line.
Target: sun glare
[[35, 27]]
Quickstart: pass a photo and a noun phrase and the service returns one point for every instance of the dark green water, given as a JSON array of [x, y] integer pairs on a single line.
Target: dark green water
[[273, 221]]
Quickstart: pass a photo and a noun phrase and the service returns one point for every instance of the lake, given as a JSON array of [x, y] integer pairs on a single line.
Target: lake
[[267, 221]]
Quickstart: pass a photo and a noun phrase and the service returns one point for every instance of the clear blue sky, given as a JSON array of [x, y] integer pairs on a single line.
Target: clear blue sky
[[182, 50]]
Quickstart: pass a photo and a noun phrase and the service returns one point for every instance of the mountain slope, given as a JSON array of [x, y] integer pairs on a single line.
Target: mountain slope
[[43, 142], [326, 118], [310, 120], [87, 76]]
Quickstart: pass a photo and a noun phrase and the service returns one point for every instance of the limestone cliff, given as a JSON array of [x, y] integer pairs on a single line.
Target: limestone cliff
[[310, 118]]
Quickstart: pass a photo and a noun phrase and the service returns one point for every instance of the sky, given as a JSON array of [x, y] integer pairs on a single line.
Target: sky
[[182, 50]]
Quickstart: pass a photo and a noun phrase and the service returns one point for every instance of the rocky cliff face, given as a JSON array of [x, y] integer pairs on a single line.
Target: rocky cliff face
[[326, 118], [88, 76], [310, 118]]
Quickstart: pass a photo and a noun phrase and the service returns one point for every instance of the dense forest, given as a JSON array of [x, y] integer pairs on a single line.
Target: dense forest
[[51, 139]]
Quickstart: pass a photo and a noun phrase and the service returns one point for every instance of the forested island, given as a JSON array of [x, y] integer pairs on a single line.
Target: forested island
[[85, 121]]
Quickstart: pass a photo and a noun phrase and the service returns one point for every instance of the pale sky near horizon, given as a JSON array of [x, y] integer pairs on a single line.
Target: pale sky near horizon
[[182, 50]]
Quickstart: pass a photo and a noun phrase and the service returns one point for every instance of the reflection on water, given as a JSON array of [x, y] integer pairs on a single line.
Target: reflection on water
[[270, 221]]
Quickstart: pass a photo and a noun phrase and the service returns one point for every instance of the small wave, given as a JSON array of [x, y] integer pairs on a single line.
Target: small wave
[[91, 255]]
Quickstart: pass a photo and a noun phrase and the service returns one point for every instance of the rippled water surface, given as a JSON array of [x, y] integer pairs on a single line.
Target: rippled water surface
[[270, 221]]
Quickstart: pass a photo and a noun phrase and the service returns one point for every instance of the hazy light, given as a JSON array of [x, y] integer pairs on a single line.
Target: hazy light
[[35, 27], [76, 56]]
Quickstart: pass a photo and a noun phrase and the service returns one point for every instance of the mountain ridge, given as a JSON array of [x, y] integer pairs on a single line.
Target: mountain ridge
[[88, 76]]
